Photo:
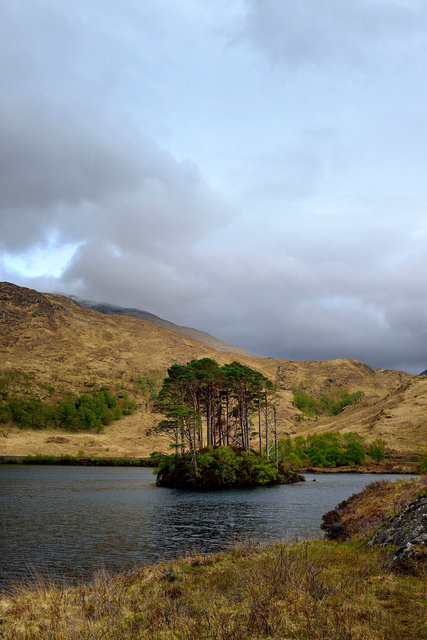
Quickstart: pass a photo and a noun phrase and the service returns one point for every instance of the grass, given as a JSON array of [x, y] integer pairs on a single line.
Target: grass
[[316, 590], [362, 512]]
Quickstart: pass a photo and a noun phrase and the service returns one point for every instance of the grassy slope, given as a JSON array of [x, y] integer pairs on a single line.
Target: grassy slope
[[365, 511], [62, 345], [316, 590], [399, 417]]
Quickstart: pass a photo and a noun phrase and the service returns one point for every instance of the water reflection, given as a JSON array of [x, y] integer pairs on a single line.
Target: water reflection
[[67, 521]]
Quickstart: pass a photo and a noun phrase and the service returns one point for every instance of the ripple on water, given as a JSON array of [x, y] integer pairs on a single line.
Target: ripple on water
[[66, 522]]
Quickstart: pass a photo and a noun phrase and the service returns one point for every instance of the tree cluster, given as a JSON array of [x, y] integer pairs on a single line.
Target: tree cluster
[[326, 404], [206, 404], [330, 449], [88, 412]]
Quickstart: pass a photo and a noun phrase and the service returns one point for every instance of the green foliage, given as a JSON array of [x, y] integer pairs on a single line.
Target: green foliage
[[328, 449], [377, 450], [221, 467], [40, 459], [148, 386], [227, 465], [329, 404], [224, 396], [355, 453], [88, 412], [305, 403], [155, 458], [423, 463]]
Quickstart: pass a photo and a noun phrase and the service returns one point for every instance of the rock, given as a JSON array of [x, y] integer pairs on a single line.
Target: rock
[[407, 531]]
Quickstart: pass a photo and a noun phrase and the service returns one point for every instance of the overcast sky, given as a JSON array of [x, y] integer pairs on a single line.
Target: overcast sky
[[253, 168]]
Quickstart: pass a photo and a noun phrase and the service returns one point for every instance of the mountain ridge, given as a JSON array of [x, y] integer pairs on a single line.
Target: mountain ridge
[[203, 336]]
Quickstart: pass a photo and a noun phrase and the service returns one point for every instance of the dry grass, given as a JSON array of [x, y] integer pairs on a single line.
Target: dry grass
[[314, 590], [363, 512]]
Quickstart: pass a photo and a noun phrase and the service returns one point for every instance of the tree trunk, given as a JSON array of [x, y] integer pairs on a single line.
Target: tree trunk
[[276, 449], [267, 438], [227, 426]]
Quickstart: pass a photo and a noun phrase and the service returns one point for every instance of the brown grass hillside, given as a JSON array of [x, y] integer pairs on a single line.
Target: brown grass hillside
[[400, 417], [49, 345]]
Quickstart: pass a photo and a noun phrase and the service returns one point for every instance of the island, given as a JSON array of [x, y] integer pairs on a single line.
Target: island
[[222, 468]]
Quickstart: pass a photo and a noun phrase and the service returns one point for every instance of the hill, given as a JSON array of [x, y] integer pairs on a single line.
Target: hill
[[201, 336], [51, 345]]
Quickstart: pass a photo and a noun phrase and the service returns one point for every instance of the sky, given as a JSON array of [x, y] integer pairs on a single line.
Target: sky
[[253, 168]]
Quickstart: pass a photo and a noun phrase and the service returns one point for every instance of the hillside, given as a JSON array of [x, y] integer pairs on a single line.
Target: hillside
[[50, 344], [201, 336]]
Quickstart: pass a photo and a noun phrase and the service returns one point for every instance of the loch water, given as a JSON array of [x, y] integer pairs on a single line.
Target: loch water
[[65, 523]]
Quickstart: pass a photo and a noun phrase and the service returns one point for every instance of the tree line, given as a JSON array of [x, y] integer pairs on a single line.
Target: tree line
[[330, 449], [87, 412]]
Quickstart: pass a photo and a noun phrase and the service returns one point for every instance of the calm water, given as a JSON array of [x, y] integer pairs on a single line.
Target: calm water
[[67, 521]]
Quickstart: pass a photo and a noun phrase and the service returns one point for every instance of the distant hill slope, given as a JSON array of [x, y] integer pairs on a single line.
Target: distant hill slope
[[202, 336], [400, 417], [49, 345]]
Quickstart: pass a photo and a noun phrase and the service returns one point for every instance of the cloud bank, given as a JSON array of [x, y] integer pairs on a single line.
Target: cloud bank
[[253, 169]]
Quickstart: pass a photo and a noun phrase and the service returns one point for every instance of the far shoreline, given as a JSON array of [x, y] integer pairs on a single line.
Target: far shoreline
[[385, 467]]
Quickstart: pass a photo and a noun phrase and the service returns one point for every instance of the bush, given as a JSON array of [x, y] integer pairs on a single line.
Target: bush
[[355, 453], [377, 450], [305, 403]]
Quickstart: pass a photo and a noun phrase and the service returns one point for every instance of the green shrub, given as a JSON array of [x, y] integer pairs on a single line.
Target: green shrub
[[377, 450], [329, 404], [327, 450], [155, 458], [88, 412], [355, 453], [305, 403]]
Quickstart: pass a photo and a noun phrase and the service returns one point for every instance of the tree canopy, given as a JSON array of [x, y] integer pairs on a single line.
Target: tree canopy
[[206, 404]]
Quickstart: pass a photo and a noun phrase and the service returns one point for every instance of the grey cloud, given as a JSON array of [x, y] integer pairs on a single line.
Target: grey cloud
[[50, 157], [312, 31], [155, 284], [283, 305], [82, 176], [319, 255]]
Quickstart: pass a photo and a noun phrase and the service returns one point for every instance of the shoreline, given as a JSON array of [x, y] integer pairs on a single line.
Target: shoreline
[[386, 467], [408, 468], [78, 461]]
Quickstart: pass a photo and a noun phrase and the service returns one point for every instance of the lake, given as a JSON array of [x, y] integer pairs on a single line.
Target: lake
[[65, 522]]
